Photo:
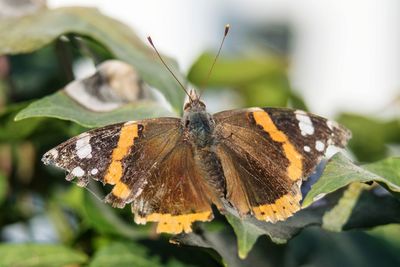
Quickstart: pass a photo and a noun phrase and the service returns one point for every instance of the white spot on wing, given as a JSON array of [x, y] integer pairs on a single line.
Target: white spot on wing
[[94, 171], [307, 148], [83, 147], [53, 153], [305, 123], [78, 172], [319, 146], [331, 124]]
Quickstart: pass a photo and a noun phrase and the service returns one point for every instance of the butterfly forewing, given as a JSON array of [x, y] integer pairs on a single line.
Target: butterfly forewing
[[150, 165]]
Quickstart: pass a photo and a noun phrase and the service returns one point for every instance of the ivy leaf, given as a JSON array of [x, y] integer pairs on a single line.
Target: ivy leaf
[[60, 105], [388, 168], [246, 234], [340, 172], [31, 255], [32, 32]]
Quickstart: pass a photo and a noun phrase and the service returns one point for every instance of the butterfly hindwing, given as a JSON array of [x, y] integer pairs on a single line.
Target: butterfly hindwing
[[263, 155], [176, 194]]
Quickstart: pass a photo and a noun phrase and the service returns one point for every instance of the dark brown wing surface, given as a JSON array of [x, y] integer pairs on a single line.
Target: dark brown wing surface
[[150, 166], [176, 194], [265, 154]]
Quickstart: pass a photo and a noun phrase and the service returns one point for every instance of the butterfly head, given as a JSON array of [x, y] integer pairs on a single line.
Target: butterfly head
[[194, 104]]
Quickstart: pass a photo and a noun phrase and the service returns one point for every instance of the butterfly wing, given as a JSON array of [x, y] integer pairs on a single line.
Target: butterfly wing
[[150, 165], [265, 154]]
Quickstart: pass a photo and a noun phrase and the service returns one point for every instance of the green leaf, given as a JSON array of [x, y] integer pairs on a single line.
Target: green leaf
[[30, 255], [61, 106], [124, 254], [246, 234], [340, 172], [32, 32], [388, 168]]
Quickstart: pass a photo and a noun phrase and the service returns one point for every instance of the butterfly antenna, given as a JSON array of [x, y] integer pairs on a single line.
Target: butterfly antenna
[[166, 66], [227, 27]]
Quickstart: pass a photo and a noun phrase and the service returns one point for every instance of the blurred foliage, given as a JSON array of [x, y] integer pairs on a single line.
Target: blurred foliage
[[260, 80], [80, 230], [40, 255], [371, 136]]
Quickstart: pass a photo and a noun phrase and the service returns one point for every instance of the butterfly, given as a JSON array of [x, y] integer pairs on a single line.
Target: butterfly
[[172, 170]]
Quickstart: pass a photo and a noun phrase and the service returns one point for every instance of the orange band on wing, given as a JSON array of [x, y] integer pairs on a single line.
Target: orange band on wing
[[295, 168], [283, 208], [174, 224], [121, 190], [114, 173]]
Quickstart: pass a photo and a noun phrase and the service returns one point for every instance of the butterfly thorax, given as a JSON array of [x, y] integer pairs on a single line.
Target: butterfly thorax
[[197, 123], [199, 127]]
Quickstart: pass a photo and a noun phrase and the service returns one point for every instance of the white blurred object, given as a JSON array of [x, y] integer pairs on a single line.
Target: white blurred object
[[39, 229], [114, 84], [347, 54]]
